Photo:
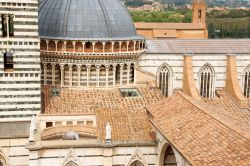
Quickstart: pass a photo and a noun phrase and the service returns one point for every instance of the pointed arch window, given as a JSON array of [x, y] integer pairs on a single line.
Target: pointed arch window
[[164, 82], [71, 163], [136, 163], [246, 82], [207, 78]]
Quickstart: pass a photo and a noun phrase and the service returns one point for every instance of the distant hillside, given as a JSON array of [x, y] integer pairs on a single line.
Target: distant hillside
[[210, 3]]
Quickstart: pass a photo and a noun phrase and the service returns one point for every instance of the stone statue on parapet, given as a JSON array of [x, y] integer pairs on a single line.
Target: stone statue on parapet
[[32, 128], [108, 136]]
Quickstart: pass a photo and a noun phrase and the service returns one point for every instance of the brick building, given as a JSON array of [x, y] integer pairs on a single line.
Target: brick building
[[195, 30]]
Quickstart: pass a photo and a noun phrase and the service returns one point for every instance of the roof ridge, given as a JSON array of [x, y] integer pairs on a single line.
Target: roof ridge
[[205, 112]]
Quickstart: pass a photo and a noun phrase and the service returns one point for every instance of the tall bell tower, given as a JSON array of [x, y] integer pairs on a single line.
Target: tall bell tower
[[199, 11]]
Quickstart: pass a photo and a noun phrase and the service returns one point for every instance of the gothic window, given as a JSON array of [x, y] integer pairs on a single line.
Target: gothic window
[[206, 82], [4, 25], [71, 163], [246, 82], [11, 25], [8, 61], [2, 161], [164, 80], [8, 25]]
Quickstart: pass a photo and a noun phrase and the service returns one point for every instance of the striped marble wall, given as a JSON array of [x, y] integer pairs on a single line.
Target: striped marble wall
[[20, 88]]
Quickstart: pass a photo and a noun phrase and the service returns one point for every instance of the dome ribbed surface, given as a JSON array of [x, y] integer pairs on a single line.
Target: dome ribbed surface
[[85, 19]]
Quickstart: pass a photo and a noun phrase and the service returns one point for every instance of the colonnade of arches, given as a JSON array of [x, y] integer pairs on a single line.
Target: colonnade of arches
[[92, 47], [79, 75]]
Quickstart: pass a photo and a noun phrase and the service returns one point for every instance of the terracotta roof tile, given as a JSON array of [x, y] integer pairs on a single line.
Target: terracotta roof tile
[[127, 116], [199, 135]]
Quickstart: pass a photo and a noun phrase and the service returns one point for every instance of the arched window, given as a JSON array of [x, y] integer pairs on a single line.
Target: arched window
[[8, 61], [164, 80], [71, 163], [206, 77], [2, 161], [246, 82], [167, 156], [136, 163]]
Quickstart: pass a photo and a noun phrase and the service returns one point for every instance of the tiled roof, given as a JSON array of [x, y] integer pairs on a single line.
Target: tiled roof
[[147, 25], [127, 116], [203, 46], [201, 135]]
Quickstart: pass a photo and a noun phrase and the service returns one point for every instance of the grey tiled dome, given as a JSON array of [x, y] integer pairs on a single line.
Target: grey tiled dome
[[85, 19]]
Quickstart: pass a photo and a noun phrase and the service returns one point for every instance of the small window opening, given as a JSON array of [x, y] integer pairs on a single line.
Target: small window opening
[[130, 92], [8, 61]]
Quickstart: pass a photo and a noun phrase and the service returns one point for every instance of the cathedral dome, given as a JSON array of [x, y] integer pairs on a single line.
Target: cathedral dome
[[85, 20]]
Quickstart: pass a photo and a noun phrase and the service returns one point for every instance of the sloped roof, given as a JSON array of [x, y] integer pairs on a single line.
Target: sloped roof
[[199, 46], [169, 26], [199, 134], [127, 116]]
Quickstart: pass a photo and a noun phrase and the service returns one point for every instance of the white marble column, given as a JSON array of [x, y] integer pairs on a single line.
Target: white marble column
[[47, 43], [83, 46], [121, 73], [45, 73], [93, 47], [62, 74], [97, 75], [74, 46], [64, 46], [70, 74], [88, 73], [120, 46], [135, 76], [103, 47], [127, 45], [128, 73], [107, 74], [53, 73], [134, 45], [112, 46], [56, 43], [114, 71], [79, 74]]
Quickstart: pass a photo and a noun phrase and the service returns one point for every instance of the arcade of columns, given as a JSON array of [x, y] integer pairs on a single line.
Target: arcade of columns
[[63, 66]]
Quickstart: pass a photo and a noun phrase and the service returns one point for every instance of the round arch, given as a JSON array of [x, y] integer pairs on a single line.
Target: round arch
[[166, 155]]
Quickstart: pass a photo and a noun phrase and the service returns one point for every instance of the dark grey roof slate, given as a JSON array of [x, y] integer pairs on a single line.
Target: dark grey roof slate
[[85, 19], [199, 46]]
